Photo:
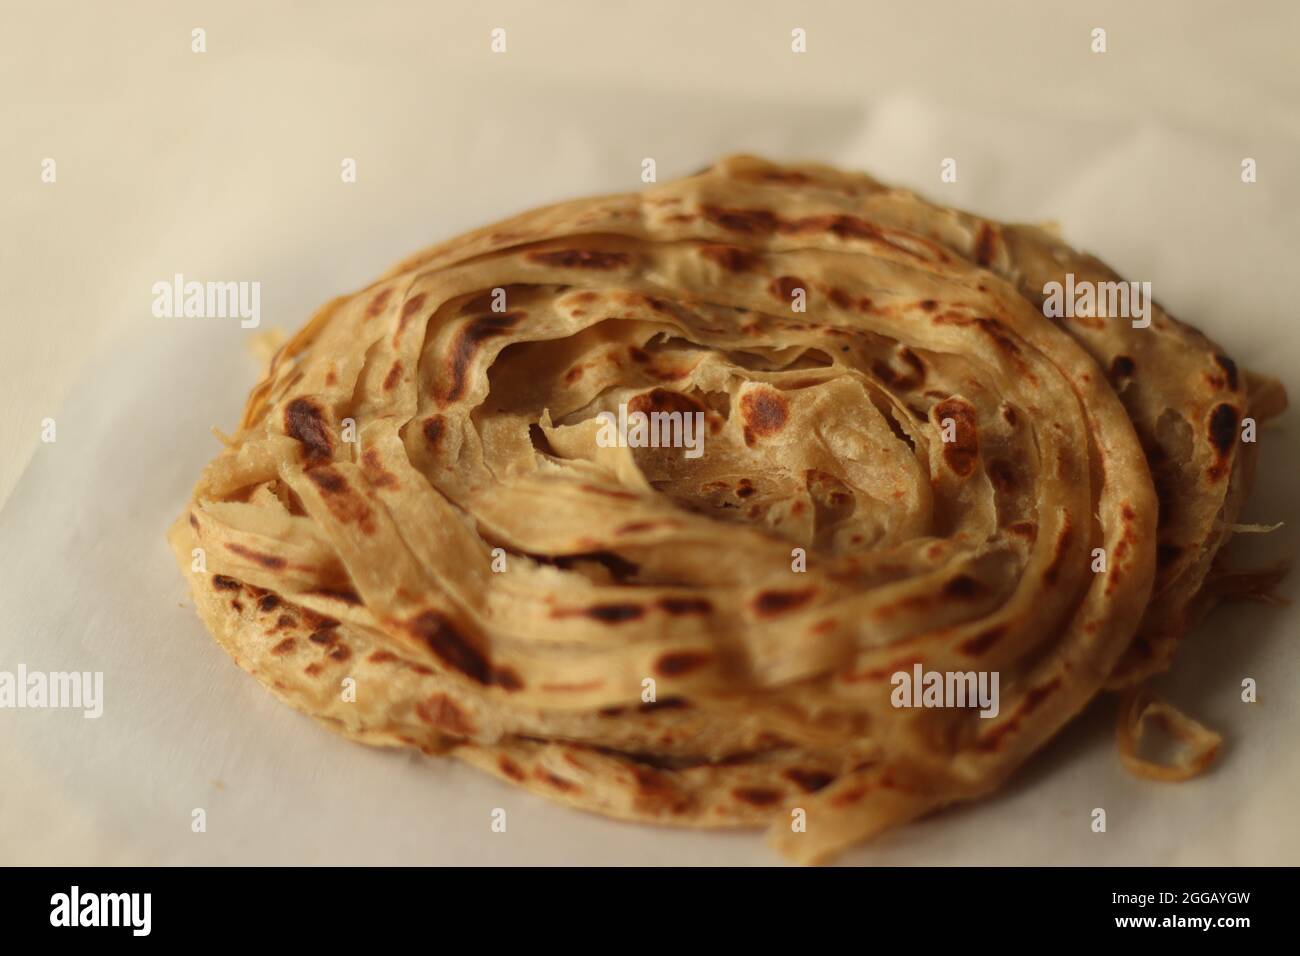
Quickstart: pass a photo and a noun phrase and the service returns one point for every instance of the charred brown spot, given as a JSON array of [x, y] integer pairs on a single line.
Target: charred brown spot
[[412, 306], [381, 657], [784, 287], [769, 603], [471, 337], [284, 647], [378, 303], [928, 305], [338, 594], [1122, 367], [1229, 368], [376, 473], [731, 258], [344, 503], [1053, 571], [759, 222], [556, 781], [450, 646], [809, 781], [1003, 476], [1223, 428], [615, 613], [962, 453], [765, 411], [304, 421], [685, 605], [268, 603], [580, 259], [962, 588], [269, 561], [340, 653], [393, 377], [757, 796], [194, 522], [318, 622], [910, 377], [982, 641], [325, 637], [511, 769], [433, 428], [223, 583], [505, 678], [441, 712], [573, 374], [668, 703], [677, 663], [663, 400], [985, 244]]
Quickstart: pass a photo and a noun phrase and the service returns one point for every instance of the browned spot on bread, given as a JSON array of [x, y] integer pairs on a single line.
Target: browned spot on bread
[[467, 343], [1229, 368], [511, 769], [441, 712], [381, 657], [375, 472], [1009, 415], [268, 603], [731, 258], [580, 259], [393, 377], [269, 561], [765, 411], [1053, 570], [1024, 529], [985, 244], [222, 583], [312, 670], [909, 378], [317, 622], [784, 287], [963, 587], [574, 688], [770, 603], [505, 678], [304, 421], [848, 797], [756, 222], [615, 613], [663, 400], [1003, 476], [928, 305], [338, 594], [1223, 428], [284, 647], [433, 427], [1122, 367], [378, 302], [982, 641], [450, 646], [757, 796], [344, 503], [677, 663], [326, 637], [340, 652], [685, 605], [410, 307], [573, 374], [809, 781], [962, 453], [556, 781], [194, 522]]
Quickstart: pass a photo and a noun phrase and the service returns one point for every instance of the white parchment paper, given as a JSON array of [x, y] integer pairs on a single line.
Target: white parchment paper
[[87, 582]]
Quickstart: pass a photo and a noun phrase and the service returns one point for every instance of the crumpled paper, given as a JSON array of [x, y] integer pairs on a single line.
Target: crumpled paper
[[87, 582]]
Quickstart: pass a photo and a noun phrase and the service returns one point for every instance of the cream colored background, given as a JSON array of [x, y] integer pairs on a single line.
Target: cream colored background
[[226, 166], [171, 161]]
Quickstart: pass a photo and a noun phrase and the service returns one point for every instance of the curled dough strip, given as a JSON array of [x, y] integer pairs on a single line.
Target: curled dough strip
[[1138, 708]]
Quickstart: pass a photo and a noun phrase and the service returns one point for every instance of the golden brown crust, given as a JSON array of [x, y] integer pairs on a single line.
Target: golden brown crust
[[944, 458]]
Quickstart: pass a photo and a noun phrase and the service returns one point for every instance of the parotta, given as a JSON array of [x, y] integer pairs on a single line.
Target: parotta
[[417, 504]]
